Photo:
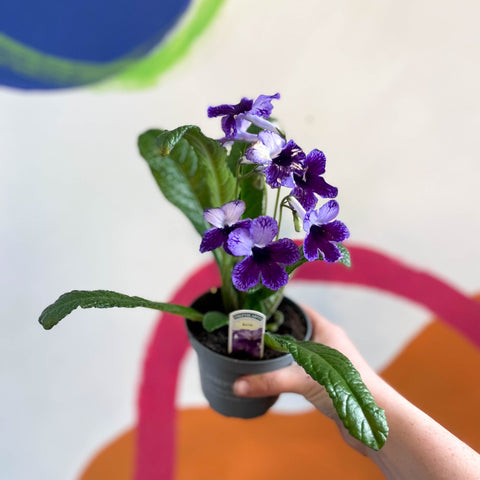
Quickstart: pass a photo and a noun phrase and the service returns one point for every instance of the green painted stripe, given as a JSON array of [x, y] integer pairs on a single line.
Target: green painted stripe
[[33, 63], [147, 70], [127, 72]]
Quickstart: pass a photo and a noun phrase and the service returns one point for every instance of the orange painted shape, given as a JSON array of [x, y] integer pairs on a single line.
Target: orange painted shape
[[270, 447], [437, 371], [115, 461]]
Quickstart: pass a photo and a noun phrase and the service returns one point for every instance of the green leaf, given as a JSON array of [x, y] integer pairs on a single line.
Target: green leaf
[[276, 321], [68, 302], [354, 403], [214, 320], [190, 170], [237, 151], [167, 140], [346, 260], [291, 268], [253, 192]]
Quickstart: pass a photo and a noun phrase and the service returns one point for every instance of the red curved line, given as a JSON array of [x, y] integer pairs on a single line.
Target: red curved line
[[156, 435], [373, 269], [156, 440]]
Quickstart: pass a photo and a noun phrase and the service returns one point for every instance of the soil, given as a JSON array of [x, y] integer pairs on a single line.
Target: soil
[[294, 325]]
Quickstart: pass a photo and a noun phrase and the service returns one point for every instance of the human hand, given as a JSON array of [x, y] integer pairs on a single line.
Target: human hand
[[295, 379], [416, 446]]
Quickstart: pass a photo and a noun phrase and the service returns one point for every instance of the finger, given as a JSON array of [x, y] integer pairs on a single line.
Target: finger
[[290, 379]]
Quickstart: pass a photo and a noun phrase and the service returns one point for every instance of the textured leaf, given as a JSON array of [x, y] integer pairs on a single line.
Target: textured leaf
[[346, 260], [254, 193], [190, 170], [68, 302], [237, 151], [354, 403], [214, 320]]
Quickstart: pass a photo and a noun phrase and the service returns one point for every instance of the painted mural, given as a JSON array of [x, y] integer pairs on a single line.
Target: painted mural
[[390, 98]]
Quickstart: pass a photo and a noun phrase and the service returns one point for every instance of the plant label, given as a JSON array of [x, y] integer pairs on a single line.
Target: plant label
[[245, 332]]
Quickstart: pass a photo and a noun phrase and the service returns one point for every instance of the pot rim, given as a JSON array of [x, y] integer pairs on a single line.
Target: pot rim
[[285, 357]]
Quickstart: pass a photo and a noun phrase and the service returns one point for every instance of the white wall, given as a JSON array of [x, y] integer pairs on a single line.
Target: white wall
[[389, 90]]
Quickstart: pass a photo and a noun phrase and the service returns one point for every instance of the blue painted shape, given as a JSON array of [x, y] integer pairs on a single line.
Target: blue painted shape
[[86, 30]]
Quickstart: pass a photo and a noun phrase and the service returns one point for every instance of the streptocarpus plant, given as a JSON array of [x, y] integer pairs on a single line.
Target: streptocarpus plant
[[221, 186]]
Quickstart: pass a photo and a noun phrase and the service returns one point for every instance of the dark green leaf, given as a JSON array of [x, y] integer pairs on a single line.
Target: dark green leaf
[[190, 170], [236, 153], [214, 320], [253, 192], [106, 299], [276, 321], [354, 403], [256, 295], [167, 140]]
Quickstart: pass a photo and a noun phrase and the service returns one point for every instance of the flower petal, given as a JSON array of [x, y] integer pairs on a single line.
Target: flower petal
[[284, 251], [310, 248], [247, 223], [211, 240], [330, 251], [233, 211], [276, 175], [315, 162], [229, 126], [258, 153], [259, 122], [262, 106], [243, 106], [322, 188], [306, 198], [215, 216], [317, 240], [240, 242], [273, 141], [263, 230], [273, 275], [337, 231], [294, 154], [245, 274], [326, 213]]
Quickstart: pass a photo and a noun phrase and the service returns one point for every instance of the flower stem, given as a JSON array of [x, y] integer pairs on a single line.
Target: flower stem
[[229, 293], [277, 200], [237, 183]]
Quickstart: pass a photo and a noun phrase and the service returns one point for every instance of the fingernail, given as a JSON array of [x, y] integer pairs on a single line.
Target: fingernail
[[241, 387]]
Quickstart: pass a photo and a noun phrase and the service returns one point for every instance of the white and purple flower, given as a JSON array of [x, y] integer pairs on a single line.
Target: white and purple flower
[[237, 118], [264, 259], [225, 220], [323, 231], [310, 181], [280, 159], [283, 164]]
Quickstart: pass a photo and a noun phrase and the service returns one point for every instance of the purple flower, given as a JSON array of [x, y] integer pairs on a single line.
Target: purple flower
[[225, 220], [237, 118], [310, 181], [264, 259], [323, 232], [279, 158]]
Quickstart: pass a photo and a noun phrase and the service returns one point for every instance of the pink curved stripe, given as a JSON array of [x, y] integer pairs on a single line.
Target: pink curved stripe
[[156, 436], [373, 269]]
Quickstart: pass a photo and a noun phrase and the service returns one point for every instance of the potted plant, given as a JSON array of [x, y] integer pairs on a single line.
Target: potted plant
[[246, 325]]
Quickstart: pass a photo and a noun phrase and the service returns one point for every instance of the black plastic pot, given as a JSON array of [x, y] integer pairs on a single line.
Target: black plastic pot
[[218, 371]]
